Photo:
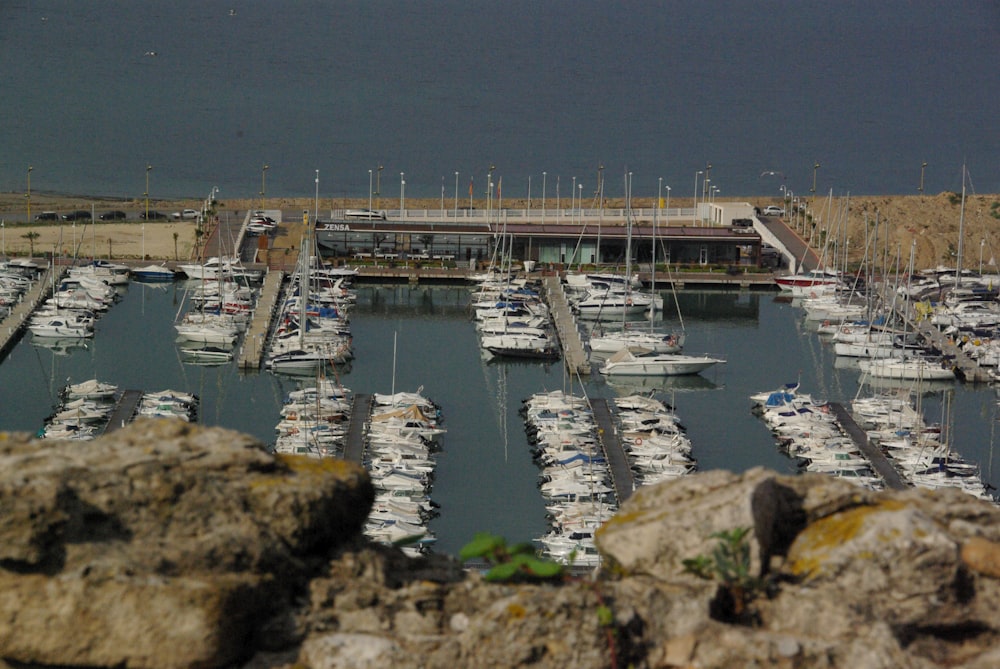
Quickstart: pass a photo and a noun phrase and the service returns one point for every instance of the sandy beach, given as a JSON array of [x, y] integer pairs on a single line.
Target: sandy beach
[[928, 224]]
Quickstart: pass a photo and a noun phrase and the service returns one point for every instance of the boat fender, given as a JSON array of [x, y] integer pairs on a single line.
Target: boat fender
[[638, 441]]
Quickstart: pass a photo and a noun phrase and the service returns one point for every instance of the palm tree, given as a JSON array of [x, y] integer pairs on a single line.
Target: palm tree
[[31, 237]]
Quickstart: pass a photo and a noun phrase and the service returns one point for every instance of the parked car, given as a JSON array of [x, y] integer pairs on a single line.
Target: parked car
[[47, 216], [773, 210], [78, 215], [113, 216], [187, 213], [153, 216]]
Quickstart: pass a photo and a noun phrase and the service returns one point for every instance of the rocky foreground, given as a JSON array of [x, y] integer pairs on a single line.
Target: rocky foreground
[[170, 545]]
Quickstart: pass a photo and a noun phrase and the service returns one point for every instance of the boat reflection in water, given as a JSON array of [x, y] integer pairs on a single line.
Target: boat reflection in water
[[644, 385], [61, 345]]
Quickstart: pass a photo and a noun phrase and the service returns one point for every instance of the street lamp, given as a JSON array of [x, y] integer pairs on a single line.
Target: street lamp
[[579, 200], [263, 190], [316, 210], [369, 192], [813, 189], [696, 175], [28, 194], [378, 188], [982, 243], [456, 194], [402, 193], [543, 197], [572, 200], [146, 194], [923, 166]]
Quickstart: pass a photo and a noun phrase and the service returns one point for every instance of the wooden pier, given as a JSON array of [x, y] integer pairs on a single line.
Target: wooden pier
[[255, 339], [12, 328], [880, 463], [574, 355], [124, 411], [354, 444], [618, 465]]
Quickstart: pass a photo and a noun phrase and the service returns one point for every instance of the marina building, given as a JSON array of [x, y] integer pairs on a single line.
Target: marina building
[[715, 234]]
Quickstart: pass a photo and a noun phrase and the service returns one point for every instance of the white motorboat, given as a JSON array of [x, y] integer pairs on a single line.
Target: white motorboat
[[907, 368], [629, 363], [153, 273], [612, 342]]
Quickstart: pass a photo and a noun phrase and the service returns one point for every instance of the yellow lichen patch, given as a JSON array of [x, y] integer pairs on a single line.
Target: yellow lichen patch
[[815, 542], [301, 464], [517, 611]]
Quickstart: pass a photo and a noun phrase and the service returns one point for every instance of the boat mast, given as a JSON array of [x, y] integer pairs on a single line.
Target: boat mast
[[961, 234]]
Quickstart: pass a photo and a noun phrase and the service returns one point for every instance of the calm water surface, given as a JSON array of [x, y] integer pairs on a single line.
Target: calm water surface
[[485, 478], [870, 91]]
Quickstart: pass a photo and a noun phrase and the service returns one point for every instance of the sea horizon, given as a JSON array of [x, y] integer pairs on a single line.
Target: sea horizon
[[416, 99]]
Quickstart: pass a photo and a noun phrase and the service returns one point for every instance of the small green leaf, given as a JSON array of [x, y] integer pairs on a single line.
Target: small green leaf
[[482, 545], [544, 568], [522, 549], [502, 572], [605, 617]]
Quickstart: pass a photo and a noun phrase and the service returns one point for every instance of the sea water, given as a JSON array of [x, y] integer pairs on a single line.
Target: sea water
[[395, 97], [411, 337]]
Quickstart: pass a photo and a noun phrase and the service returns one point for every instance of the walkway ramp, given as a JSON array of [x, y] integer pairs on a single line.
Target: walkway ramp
[[255, 338], [574, 355], [880, 463], [354, 444], [621, 472], [124, 411]]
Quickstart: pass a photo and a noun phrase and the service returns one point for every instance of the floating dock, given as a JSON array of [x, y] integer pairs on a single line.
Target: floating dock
[[574, 355], [13, 327], [124, 411], [255, 338], [354, 444], [880, 463], [621, 472]]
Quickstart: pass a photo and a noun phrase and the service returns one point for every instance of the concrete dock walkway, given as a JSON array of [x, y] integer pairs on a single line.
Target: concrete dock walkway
[[618, 465], [255, 338], [574, 355]]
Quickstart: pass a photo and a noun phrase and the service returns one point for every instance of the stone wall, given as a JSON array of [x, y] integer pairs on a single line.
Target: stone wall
[[169, 545]]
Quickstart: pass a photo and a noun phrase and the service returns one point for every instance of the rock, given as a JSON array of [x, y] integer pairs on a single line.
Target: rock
[[160, 545], [168, 545]]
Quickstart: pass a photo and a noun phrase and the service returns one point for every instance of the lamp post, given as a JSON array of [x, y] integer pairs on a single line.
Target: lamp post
[[600, 188], [543, 197], [146, 194], [923, 166], [3, 230], [982, 243], [695, 215], [529, 195], [402, 193], [28, 194], [263, 190], [668, 204], [579, 200], [813, 189], [572, 201], [316, 209], [378, 188], [369, 192], [456, 194]]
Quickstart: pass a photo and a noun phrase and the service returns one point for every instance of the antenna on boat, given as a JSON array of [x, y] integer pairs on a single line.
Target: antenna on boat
[[394, 334]]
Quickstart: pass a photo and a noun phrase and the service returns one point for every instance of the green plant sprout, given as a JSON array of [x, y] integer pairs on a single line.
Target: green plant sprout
[[509, 563]]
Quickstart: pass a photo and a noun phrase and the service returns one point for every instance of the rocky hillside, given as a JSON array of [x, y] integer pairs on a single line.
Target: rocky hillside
[[168, 545]]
